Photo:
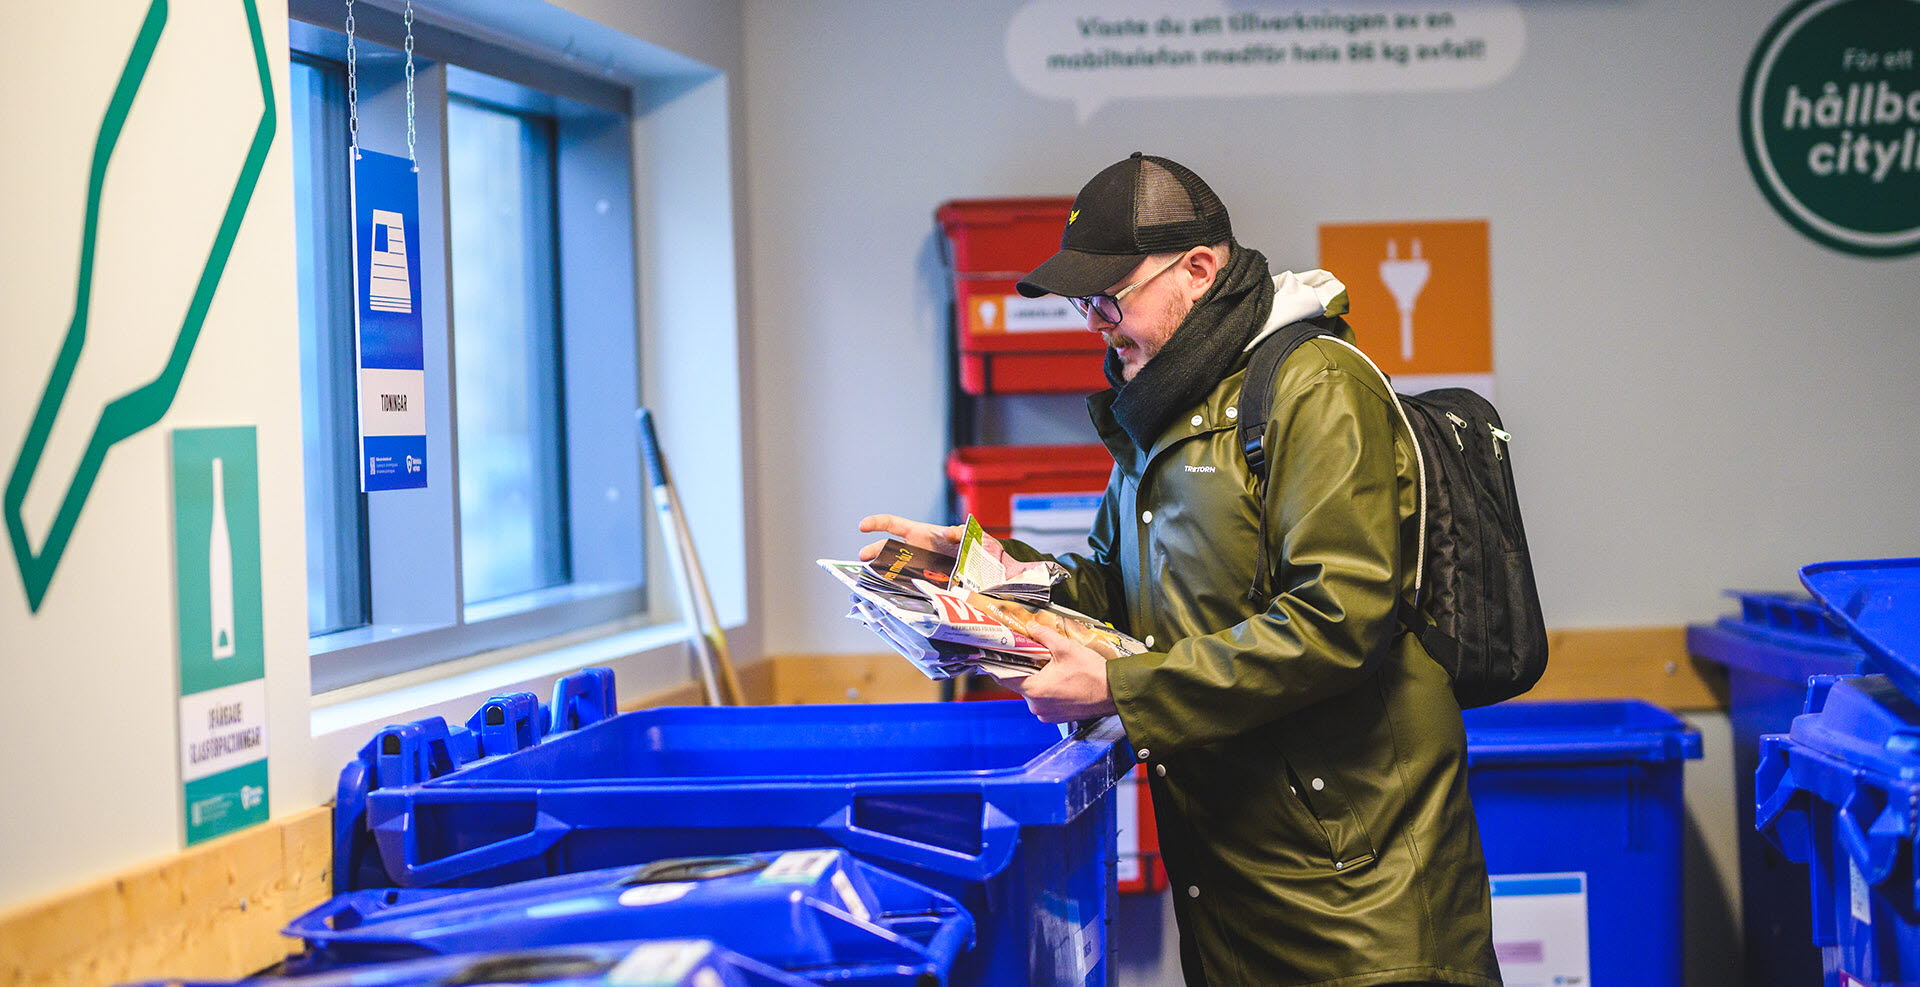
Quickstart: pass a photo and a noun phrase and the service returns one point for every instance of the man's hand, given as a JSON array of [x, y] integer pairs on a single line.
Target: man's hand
[[935, 537], [1073, 685], [938, 537]]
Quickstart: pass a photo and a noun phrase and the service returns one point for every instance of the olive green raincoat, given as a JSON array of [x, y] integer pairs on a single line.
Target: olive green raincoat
[[1306, 757]]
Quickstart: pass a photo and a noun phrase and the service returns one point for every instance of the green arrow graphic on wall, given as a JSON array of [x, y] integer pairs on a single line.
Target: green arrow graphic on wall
[[140, 408]]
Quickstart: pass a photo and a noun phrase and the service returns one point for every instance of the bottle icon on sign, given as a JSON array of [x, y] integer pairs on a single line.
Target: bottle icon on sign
[[388, 287], [220, 569], [1405, 279]]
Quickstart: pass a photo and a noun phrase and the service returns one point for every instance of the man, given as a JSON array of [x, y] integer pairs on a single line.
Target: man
[[1307, 758]]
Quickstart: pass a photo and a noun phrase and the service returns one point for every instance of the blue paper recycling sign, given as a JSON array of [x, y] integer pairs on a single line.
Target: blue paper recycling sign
[[393, 379]]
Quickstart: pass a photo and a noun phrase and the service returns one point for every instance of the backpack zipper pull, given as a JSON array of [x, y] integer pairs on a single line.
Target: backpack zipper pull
[[1459, 424], [1500, 440]]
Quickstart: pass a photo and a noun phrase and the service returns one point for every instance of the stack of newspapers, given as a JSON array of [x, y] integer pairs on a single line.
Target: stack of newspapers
[[950, 614]]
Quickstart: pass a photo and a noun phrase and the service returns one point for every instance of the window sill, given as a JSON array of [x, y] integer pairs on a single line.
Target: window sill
[[467, 682]]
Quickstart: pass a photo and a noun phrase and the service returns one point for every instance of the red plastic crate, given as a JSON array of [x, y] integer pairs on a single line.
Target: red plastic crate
[[1015, 345], [1003, 236], [988, 477]]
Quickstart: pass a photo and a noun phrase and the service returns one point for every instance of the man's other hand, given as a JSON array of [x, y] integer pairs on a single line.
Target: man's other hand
[[1073, 685], [919, 534]]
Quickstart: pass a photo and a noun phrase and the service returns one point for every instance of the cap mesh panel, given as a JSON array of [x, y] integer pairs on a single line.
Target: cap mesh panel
[[1174, 209], [1162, 198]]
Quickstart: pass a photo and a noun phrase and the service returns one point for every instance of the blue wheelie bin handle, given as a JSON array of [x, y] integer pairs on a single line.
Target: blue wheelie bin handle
[[1873, 847], [414, 873], [999, 835]]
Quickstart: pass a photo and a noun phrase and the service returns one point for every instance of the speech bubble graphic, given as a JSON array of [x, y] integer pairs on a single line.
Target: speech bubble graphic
[[1092, 52]]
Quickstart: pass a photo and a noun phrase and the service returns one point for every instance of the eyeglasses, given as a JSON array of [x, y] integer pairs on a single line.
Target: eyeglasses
[[1109, 305]]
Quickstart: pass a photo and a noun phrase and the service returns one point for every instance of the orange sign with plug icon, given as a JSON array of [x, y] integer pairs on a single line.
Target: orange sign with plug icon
[[1421, 296]]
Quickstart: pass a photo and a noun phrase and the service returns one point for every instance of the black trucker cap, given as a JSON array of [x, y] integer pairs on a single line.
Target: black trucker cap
[[1139, 206]]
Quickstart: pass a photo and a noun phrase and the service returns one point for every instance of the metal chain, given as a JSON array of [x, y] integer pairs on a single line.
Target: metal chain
[[353, 89], [409, 23]]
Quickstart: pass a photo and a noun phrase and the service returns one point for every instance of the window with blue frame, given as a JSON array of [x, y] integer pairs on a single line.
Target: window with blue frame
[[531, 522]]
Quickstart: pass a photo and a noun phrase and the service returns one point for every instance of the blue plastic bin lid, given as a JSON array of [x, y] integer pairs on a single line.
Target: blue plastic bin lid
[[645, 963], [1593, 732], [801, 909], [1865, 720], [1878, 602]]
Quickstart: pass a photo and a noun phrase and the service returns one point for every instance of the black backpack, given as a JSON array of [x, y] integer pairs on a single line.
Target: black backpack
[[1476, 609]]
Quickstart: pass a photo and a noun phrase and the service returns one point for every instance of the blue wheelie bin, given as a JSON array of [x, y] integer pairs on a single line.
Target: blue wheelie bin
[[1770, 649], [1581, 817], [979, 801], [819, 914], [652, 963], [1841, 789]]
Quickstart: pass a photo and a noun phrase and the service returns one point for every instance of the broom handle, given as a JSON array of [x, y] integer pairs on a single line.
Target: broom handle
[[709, 644]]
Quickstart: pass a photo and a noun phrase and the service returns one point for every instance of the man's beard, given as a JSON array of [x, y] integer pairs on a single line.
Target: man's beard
[[1173, 314]]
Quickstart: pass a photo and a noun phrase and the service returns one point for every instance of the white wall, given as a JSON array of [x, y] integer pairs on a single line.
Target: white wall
[[1702, 397], [94, 780], [91, 786]]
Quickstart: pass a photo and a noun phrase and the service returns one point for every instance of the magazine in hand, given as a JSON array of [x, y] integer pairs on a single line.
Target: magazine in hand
[[972, 612]]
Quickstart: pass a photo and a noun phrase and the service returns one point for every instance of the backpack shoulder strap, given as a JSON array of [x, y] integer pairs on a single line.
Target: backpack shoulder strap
[[1256, 404], [1256, 388]]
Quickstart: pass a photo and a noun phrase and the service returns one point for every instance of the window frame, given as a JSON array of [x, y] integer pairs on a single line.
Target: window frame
[[419, 622], [334, 216]]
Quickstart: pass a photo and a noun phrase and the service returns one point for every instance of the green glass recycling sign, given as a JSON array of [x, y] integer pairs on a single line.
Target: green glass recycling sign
[[1830, 120]]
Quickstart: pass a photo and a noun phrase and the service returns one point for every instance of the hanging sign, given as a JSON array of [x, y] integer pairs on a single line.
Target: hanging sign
[[393, 379], [1830, 118], [223, 686]]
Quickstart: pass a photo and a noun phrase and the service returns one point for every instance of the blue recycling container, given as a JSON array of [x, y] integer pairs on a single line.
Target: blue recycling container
[[1841, 791], [653, 963], [1581, 816], [1770, 649], [977, 800], [1877, 601], [817, 913]]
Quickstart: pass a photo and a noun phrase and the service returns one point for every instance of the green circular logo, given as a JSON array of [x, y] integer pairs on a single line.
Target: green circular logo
[[1830, 119]]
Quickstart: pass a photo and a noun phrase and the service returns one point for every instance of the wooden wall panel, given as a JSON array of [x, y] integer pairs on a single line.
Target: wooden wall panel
[[213, 911], [1649, 663], [859, 678]]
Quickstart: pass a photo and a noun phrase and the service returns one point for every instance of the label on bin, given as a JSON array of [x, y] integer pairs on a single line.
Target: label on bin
[[1857, 894], [664, 963], [1127, 834], [656, 894], [1540, 928], [798, 867]]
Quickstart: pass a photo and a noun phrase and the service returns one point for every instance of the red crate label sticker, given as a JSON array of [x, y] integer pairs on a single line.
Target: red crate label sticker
[[1012, 313], [1055, 523]]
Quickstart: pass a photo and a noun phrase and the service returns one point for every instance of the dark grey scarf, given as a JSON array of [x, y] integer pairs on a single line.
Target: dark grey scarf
[[1201, 353]]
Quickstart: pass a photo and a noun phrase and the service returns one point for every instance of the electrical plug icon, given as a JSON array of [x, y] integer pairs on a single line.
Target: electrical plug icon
[[1405, 279]]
